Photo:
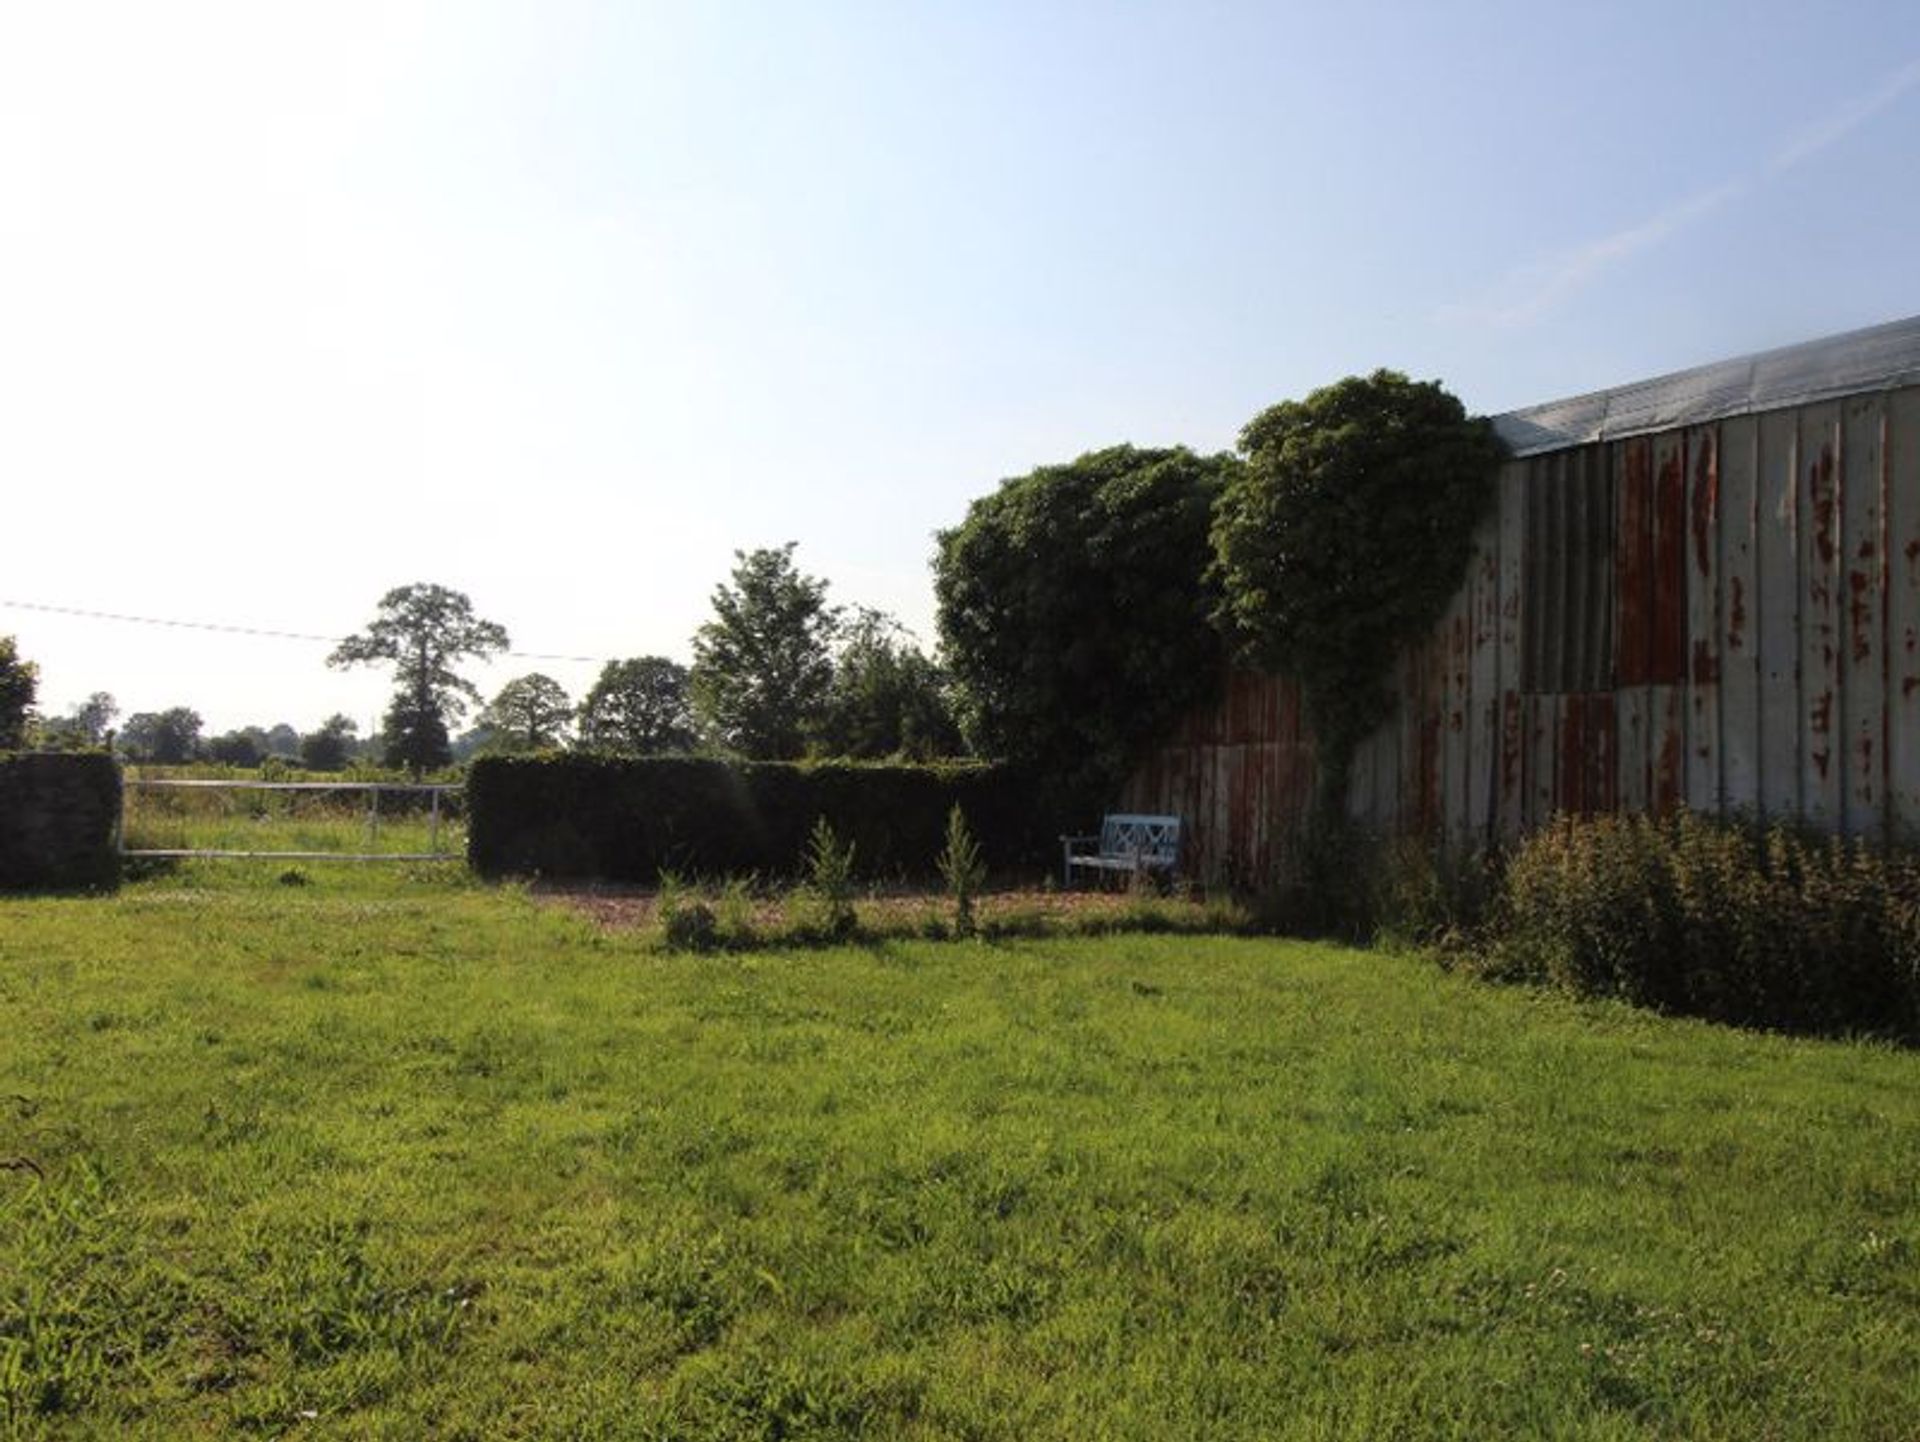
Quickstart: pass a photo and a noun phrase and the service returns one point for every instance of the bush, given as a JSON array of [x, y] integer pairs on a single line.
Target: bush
[[627, 819], [1771, 928], [827, 896]]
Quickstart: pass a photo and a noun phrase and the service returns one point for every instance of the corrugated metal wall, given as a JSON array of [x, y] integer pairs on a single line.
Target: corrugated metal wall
[[1725, 616]]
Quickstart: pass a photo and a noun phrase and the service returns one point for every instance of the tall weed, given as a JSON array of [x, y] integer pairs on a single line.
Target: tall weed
[[1767, 927]]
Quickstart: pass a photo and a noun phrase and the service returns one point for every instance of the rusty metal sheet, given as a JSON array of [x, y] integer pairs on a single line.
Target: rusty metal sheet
[[1823, 728], [1777, 616], [1456, 625], [1903, 613], [1540, 728], [1633, 749], [1861, 749], [1483, 685], [1703, 788], [1633, 562], [1667, 648], [1510, 805], [1667, 741], [1739, 699]]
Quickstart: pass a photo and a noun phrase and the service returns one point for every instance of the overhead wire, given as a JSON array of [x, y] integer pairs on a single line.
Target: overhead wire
[[229, 628]]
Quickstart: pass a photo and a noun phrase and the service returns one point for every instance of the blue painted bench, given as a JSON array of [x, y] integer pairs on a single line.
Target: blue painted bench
[[1127, 844]]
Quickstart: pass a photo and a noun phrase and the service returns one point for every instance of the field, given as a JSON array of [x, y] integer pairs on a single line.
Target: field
[[174, 808], [392, 1154]]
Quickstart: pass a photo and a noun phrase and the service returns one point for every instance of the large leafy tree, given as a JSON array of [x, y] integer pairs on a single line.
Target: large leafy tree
[[1342, 539], [19, 683], [168, 737], [329, 748], [639, 707], [530, 713], [887, 698], [423, 631], [1074, 610], [763, 664]]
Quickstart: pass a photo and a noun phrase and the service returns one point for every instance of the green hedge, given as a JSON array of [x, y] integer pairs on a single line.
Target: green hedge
[[627, 819], [58, 814], [1770, 928]]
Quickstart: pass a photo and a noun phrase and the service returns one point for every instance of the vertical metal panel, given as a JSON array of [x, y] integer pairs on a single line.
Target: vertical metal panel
[[1509, 777], [1633, 596], [1666, 705], [1822, 726], [1703, 789], [1777, 615], [1903, 611], [1483, 680], [1667, 655], [1860, 751], [1633, 487], [1542, 727], [1597, 674], [1738, 459], [1454, 703]]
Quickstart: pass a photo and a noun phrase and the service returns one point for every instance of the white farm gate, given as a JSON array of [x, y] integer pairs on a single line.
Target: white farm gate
[[157, 809]]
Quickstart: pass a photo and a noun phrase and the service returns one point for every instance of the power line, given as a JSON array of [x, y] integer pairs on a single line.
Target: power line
[[233, 630]]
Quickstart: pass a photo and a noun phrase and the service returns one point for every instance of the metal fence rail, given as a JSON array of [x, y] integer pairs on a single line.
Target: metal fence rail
[[373, 789]]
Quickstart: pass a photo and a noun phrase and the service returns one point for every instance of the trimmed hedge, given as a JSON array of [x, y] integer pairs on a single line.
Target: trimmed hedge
[[58, 813], [627, 819]]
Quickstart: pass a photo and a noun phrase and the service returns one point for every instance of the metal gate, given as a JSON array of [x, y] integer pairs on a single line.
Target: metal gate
[[280, 830]]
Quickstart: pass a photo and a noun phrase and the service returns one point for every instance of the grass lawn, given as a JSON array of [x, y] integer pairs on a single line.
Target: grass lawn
[[405, 1157]]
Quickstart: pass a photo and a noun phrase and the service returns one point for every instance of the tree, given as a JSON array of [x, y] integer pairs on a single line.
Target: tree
[[640, 707], [424, 631], [168, 737], [19, 684], [413, 735], [1074, 611], [91, 719], [762, 665], [887, 697], [530, 713], [238, 748], [328, 748], [1341, 541]]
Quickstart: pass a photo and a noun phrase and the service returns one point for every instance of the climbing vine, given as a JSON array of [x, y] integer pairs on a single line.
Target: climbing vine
[[1341, 541]]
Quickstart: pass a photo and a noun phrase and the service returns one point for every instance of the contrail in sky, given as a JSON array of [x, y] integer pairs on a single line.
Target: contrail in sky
[[1531, 291]]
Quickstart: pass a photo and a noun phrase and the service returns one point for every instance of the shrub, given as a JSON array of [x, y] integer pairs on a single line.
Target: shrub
[[686, 922], [828, 892], [962, 869], [1771, 928]]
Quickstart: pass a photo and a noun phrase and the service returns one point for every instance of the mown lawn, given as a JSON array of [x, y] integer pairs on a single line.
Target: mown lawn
[[407, 1157]]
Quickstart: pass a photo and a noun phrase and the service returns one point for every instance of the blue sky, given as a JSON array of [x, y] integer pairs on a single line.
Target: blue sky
[[560, 304]]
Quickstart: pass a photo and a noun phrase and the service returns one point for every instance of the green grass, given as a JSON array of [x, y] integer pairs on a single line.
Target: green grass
[[390, 1154], [286, 821]]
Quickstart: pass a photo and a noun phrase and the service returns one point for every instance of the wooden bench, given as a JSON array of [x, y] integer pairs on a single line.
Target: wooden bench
[[1127, 844]]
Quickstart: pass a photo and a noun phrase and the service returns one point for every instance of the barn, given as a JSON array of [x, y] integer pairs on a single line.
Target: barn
[[1700, 590]]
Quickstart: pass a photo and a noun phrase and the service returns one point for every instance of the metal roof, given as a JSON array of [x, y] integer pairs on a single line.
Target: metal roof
[[1881, 357]]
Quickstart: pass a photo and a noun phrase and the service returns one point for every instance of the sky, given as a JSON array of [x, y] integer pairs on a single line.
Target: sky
[[561, 304]]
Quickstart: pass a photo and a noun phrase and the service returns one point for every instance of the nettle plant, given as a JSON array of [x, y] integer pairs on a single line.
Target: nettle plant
[[1340, 543]]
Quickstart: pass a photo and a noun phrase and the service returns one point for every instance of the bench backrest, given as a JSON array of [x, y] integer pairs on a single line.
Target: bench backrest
[[1153, 840]]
